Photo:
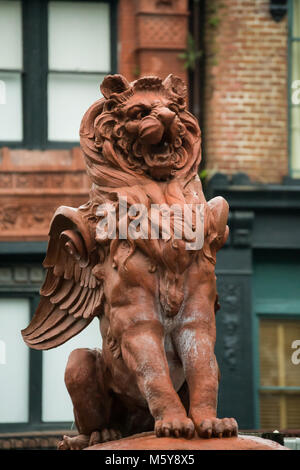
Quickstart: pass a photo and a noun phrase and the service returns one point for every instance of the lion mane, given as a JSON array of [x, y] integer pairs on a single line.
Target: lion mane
[[121, 132]]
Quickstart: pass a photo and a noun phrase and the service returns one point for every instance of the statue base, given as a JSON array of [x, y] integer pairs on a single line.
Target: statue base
[[148, 441]]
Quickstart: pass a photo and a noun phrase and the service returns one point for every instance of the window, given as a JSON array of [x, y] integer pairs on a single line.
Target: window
[[56, 402], [14, 368], [33, 395], [11, 67], [294, 87], [77, 63], [53, 57], [279, 376], [277, 329]]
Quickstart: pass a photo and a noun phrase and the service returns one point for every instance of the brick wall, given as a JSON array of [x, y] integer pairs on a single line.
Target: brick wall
[[127, 58], [151, 35], [245, 90]]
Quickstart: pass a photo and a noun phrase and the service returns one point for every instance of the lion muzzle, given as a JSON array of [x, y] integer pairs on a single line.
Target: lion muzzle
[[153, 127]]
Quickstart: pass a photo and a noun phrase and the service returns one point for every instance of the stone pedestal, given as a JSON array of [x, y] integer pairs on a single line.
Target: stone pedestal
[[148, 441]]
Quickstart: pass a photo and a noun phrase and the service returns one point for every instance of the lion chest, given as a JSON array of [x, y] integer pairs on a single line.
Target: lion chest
[[162, 276]]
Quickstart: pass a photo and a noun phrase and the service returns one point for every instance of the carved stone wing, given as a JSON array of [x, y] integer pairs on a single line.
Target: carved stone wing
[[71, 295], [219, 208]]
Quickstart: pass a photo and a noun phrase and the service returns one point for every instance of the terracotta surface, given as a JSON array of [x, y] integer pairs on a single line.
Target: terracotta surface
[[155, 297], [150, 442], [33, 183]]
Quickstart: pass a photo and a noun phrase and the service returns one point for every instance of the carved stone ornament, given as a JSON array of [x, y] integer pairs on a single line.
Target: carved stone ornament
[[155, 296], [230, 295]]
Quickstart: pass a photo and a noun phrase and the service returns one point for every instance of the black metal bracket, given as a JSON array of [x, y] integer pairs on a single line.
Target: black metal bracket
[[278, 9]]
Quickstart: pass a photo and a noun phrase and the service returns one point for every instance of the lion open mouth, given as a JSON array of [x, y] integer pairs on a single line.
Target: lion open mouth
[[160, 149], [161, 152], [160, 155]]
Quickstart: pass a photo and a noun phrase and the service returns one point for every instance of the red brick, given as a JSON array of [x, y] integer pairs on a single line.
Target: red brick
[[246, 90]]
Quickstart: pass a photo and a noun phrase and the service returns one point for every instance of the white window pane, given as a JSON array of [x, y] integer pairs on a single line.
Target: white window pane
[[69, 96], [295, 140], [79, 36], [14, 363], [57, 404], [10, 35], [296, 60], [296, 18], [11, 125]]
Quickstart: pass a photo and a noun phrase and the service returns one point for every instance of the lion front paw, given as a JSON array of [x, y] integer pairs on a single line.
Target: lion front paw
[[177, 427], [215, 427], [97, 437]]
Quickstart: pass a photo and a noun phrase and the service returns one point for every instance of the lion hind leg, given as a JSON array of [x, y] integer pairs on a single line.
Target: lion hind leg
[[74, 443], [85, 381]]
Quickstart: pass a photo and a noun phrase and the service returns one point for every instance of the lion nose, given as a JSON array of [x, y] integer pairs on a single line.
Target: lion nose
[[152, 127], [166, 116], [151, 130]]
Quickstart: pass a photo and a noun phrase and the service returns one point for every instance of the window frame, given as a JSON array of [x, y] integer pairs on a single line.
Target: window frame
[[20, 72], [34, 74], [291, 40], [264, 310], [35, 396], [17, 254], [260, 315]]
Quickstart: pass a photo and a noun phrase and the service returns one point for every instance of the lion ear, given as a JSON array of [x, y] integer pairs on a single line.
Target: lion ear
[[175, 85], [113, 84]]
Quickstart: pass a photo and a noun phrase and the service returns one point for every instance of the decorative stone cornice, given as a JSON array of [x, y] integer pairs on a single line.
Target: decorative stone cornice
[[33, 183], [244, 194], [21, 276], [32, 440]]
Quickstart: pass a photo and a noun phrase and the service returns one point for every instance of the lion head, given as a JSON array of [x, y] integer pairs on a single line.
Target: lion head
[[140, 131]]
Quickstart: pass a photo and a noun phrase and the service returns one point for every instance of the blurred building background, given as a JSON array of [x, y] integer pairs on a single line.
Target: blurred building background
[[241, 60]]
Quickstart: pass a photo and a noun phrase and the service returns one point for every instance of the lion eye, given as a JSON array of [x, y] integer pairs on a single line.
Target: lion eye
[[139, 113], [173, 108], [142, 113]]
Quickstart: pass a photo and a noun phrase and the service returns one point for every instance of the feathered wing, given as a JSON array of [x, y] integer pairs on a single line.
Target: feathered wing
[[71, 295], [219, 209]]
